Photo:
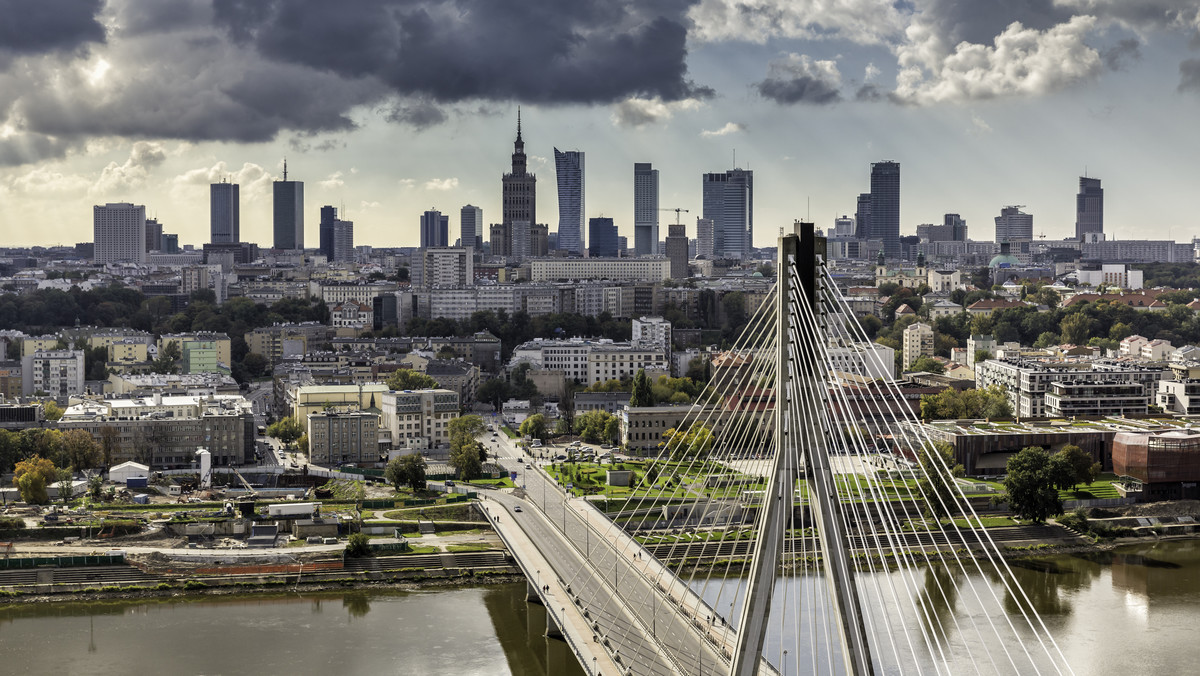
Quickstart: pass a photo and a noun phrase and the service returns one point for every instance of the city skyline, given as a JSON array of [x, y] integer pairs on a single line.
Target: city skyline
[[807, 101]]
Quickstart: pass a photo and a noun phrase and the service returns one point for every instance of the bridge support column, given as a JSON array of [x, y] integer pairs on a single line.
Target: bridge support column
[[552, 628], [532, 593]]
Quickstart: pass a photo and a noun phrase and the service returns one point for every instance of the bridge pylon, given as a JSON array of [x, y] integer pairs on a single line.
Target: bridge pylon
[[800, 392]]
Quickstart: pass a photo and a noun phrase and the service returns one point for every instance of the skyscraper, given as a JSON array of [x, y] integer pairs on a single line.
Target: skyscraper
[[645, 209], [602, 238], [1089, 207], [224, 213], [289, 213], [677, 250], [471, 227], [119, 233], [843, 226], [729, 202], [343, 241], [435, 229], [1013, 224], [885, 206], [570, 169], [325, 232], [705, 232], [518, 192], [153, 235], [862, 217]]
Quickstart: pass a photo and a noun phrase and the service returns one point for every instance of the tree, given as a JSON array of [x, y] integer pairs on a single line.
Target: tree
[[31, 478], [286, 429], [612, 429], [80, 449], [1075, 467], [1030, 483], [407, 379], [464, 430], [95, 484], [593, 426], [167, 358], [110, 443], [255, 365], [562, 427], [694, 442], [927, 364], [65, 480], [358, 545], [698, 369], [642, 394], [938, 471], [494, 392], [406, 470], [950, 404], [466, 460], [1077, 328], [51, 410], [534, 427]]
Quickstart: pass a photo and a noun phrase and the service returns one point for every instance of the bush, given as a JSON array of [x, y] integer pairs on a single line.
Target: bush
[[358, 545], [11, 523], [1076, 521]]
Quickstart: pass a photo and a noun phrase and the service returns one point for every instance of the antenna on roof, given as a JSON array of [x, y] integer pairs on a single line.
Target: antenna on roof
[[285, 168]]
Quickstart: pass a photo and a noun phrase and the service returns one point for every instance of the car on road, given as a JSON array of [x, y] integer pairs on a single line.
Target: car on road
[[517, 508], [449, 482], [560, 457]]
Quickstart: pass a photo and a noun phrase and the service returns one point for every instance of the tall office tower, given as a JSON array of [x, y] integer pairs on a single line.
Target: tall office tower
[[622, 246], [955, 227], [843, 226], [170, 243], [885, 206], [119, 233], [343, 241], [602, 238], [435, 229], [521, 233], [569, 167], [729, 202], [153, 235], [705, 232], [289, 213], [471, 227], [224, 210], [862, 217], [1089, 207], [518, 192], [552, 239], [325, 231], [1012, 224], [677, 250], [645, 209]]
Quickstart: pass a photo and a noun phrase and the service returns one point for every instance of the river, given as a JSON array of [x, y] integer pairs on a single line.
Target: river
[[1133, 610]]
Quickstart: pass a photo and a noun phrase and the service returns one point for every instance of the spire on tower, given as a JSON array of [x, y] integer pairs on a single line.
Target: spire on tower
[[518, 123], [285, 168]]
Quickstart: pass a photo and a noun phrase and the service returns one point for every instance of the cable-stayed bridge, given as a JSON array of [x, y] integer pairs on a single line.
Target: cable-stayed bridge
[[786, 527]]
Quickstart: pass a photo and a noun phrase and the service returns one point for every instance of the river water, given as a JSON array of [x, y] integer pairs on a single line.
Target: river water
[[1134, 610]]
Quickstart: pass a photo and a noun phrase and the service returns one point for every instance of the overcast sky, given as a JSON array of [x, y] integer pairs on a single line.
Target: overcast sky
[[386, 108]]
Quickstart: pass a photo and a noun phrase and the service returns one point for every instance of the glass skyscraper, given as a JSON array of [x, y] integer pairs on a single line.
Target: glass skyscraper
[[645, 209], [885, 206], [569, 167], [1089, 207], [224, 219], [289, 213]]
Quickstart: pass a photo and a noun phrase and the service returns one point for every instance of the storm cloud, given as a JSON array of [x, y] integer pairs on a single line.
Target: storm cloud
[[796, 78], [40, 26], [539, 51]]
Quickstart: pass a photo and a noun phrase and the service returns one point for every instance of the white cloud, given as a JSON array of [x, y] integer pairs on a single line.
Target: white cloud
[[979, 125], [254, 182], [333, 181], [861, 21], [636, 112], [870, 72], [441, 184], [117, 178], [407, 182], [729, 128], [46, 182], [1021, 61], [367, 206]]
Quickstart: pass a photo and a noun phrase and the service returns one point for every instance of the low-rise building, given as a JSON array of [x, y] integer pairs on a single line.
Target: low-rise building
[[609, 402], [54, 373], [343, 435], [1027, 381], [1163, 465], [419, 418]]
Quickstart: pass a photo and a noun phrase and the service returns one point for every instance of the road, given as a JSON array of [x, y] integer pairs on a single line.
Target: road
[[610, 583]]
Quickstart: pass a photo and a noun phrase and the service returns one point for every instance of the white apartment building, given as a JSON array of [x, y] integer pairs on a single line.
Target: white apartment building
[[622, 269], [652, 331], [419, 418], [448, 266], [54, 373], [869, 360], [591, 362], [1156, 350], [1132, 346], [1113, 275], [119, 233], [918, 342], [1027, 382], [333, 294]]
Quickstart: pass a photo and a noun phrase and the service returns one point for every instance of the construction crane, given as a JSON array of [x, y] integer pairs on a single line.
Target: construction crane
[[677, 211]]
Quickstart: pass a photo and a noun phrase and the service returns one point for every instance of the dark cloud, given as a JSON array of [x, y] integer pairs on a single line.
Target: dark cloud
[[868, 92], [798, 79], [1119, 56], [1189, 76], [40, 26], [419, 114], [547, 51], [980, 21], [162, 16]]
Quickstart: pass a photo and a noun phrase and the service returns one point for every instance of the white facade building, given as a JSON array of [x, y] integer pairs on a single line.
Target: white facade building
[[918, 342], [55, 373], [119, 233], [630, 269], [652, 331]]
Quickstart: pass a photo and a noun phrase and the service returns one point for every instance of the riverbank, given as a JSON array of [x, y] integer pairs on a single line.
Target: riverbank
[[405, 581]]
